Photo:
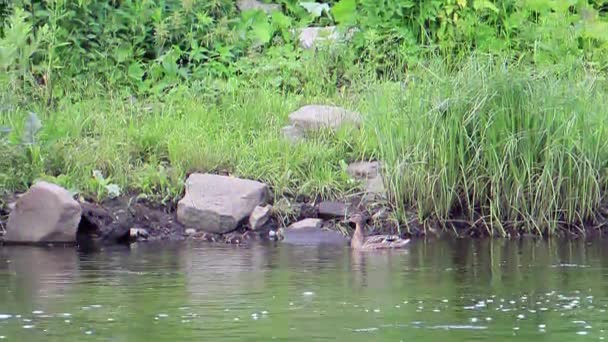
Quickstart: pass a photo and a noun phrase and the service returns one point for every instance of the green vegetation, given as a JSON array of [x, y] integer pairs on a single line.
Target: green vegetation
[[484, 112]]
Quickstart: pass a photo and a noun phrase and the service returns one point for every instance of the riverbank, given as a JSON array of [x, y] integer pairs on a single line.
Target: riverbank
[[506, 148]]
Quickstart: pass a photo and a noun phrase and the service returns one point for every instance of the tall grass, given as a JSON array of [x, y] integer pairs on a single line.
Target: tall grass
[[502, 147], [505, 148]]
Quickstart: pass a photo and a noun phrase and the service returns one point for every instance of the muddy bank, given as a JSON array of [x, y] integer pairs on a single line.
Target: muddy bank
[[129, 219]]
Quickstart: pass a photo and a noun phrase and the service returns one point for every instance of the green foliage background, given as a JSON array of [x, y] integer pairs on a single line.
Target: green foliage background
[[151, 45]]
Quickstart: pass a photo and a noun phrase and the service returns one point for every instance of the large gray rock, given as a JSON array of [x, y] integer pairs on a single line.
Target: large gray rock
[[315, 117], [217, 204], [330, 210], [292, 133], [245, 5], [45, 213]]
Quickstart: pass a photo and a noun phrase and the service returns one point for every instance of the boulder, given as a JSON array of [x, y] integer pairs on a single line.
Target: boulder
[[316, 117], [333, 210], [218, 204], [309, 232], [45, 213], [245, 5], [259, 217]]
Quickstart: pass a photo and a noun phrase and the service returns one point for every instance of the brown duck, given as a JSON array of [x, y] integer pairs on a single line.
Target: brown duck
[[360, 241]]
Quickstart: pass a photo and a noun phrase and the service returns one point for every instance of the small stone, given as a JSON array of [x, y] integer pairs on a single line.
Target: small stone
[[190, 231], [292, 133], [259, 217], [333, 210], [310, 36], [245, 5], [363, 170]]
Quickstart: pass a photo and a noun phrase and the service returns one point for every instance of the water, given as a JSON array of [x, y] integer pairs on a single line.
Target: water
[[453, 290]]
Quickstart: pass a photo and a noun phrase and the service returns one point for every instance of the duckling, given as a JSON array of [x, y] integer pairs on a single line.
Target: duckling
[[360, 241]]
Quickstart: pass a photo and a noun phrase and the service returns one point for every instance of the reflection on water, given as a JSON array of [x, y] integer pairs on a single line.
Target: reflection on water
[[456, 290]]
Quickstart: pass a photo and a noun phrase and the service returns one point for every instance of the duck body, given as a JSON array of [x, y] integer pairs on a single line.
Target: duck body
[[374, 242]]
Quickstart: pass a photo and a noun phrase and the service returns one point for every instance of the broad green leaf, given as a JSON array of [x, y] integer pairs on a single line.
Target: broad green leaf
[[135, 71], [314, 8], [262, 31], [345, 11], [484, 4]]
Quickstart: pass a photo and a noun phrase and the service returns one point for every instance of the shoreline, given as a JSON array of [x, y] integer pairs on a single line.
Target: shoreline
[[155, 222]]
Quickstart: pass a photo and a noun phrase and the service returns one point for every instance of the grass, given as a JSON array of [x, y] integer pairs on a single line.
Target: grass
[[504, 148]]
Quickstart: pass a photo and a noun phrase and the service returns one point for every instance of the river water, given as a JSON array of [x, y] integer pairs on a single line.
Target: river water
[[437, 290]]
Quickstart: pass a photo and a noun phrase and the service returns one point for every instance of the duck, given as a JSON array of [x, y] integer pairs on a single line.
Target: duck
[[360, 242]]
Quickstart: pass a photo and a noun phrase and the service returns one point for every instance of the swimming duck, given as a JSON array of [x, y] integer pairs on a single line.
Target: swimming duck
[[360, 241]]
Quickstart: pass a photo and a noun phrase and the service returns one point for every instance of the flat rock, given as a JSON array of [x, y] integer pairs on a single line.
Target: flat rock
[[306, 223], [245, 5], [259, 217], [333, 210], [218, 204], [45, 213], [309, 232], [316, 117]]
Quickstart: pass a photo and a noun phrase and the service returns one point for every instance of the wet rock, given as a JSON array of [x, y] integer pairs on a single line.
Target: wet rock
[[218, 204], [45, 213], [316, 117], [310, 232], [329, 210], [292, 133], [306, 223], [245, 5], [259, 217]]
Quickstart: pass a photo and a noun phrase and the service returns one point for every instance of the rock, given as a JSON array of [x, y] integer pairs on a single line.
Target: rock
[[333, 210], [190, 231], [309, 232], [363, 170], [45, 213], [292, 133], [307, 223], [374, 188], [315, 117], [310, 36], [259, 217], [245, 5], [218, 204], [369, 174]]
